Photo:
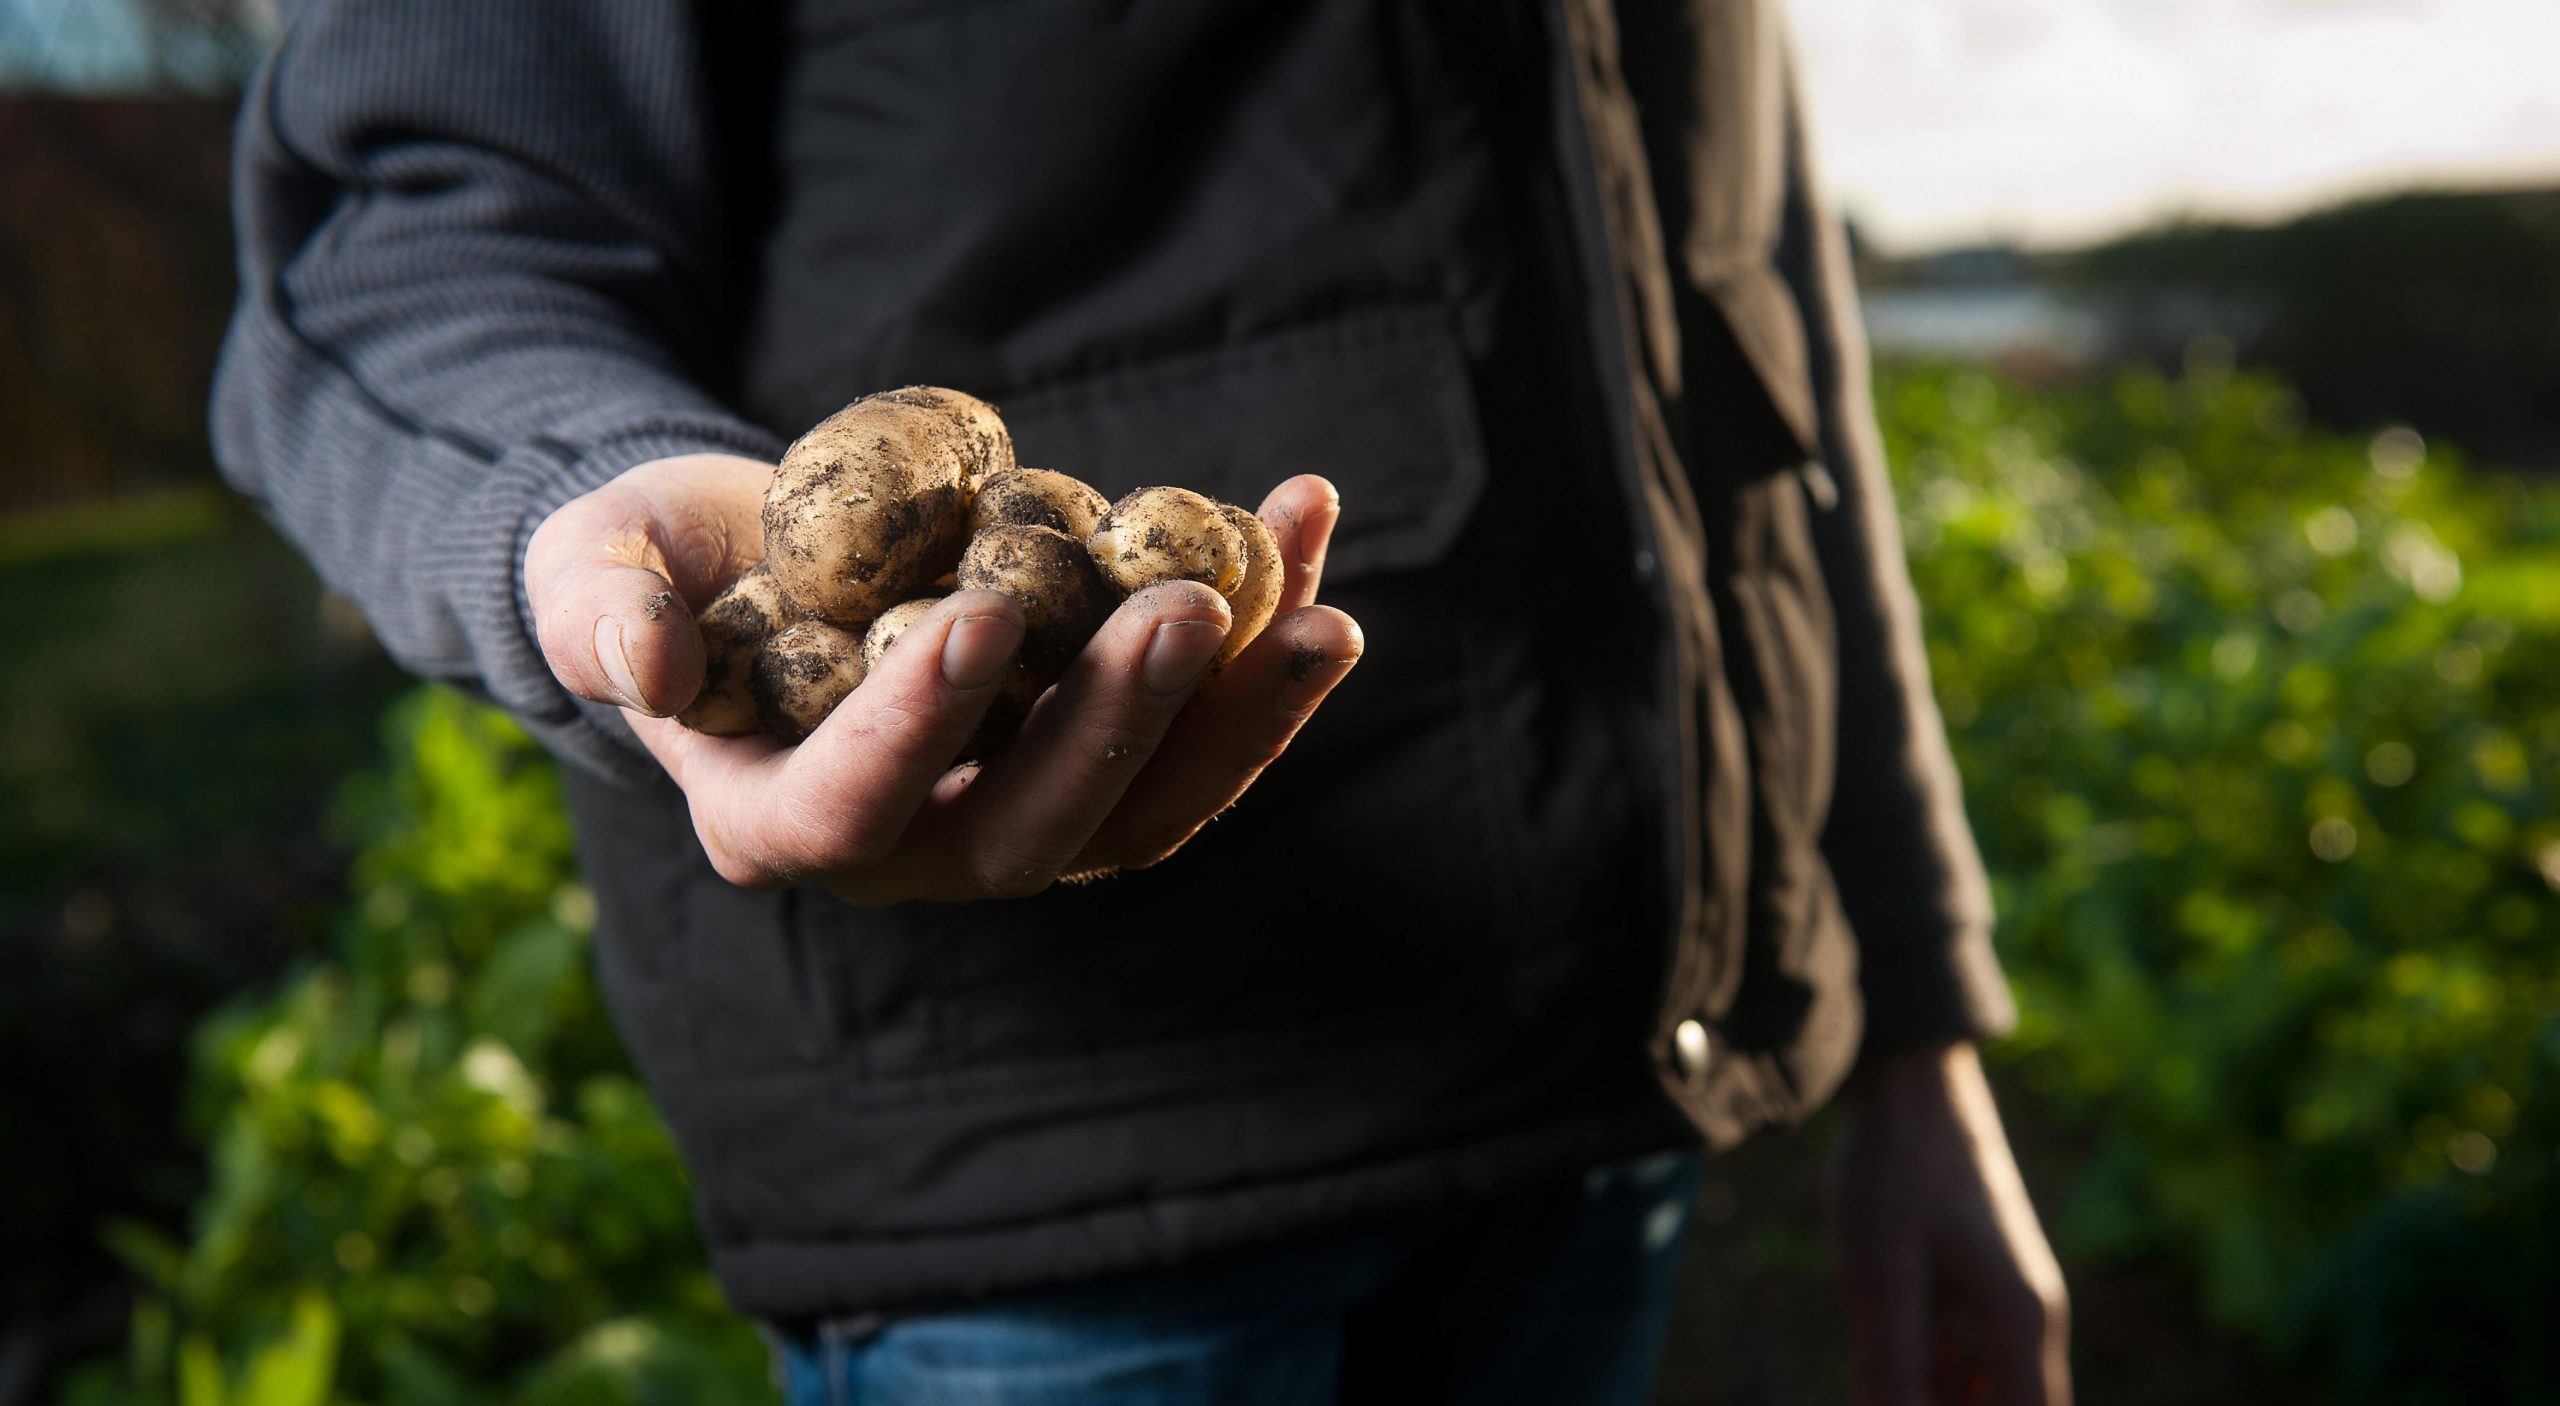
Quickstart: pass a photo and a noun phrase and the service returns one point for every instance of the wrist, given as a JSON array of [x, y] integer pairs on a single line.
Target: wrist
[[1893, 1075]]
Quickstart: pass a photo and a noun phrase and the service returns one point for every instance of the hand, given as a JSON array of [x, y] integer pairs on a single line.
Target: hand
[[1954, 1296], [1116, 768]]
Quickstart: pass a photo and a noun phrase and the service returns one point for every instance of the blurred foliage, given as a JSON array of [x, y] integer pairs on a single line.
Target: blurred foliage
[[433, 1177], [2260, 728], [176, 709], [115, 283], [171, 683]]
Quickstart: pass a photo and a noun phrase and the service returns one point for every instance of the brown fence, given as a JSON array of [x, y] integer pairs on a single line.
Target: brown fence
[[115, 280]]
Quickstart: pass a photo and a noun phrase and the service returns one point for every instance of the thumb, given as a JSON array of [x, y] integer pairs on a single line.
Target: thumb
[[611, 624]]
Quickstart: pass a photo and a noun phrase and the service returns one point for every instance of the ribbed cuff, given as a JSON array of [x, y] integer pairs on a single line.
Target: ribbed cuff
[[1932, 990]]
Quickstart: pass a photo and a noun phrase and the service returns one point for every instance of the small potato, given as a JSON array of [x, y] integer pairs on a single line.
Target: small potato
[[872, 504], [1037, 498], [801, 674], [1168, 534], [1015, 693], [736, 622], [1256, 597], [1063, 598], [892, 623]]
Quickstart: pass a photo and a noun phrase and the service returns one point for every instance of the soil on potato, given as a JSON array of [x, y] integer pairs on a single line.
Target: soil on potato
[[1021, 507]]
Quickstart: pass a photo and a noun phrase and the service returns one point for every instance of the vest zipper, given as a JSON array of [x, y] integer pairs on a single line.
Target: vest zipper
[[1609, 346]]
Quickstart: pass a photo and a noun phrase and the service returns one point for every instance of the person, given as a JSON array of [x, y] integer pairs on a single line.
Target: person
[[1635, 832]]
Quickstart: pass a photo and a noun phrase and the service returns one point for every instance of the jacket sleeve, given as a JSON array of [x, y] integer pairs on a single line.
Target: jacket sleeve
[[478, 256], [1899, 846]]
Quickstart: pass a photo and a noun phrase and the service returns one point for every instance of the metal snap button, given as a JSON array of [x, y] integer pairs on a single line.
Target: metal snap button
[[1819, 485], [1689, 1045]]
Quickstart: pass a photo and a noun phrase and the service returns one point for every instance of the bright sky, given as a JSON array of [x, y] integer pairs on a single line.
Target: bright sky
[[104, 46], [2051, 120], [1946, 121]]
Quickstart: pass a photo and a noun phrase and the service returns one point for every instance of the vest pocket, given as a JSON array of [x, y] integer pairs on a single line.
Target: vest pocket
[[1372, 874], [1379, 402]]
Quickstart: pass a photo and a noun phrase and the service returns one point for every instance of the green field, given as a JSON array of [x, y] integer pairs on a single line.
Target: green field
[[2260, 727]]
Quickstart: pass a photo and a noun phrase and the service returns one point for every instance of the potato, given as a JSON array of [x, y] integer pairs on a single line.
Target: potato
[[1015, 693], [872, 504], [737, 621], [1017, 689], [1037, 498], [1256, 597], [906, 495], [988, 446], [1063, 598], [892, 623], [1168, 534], [801, 673]]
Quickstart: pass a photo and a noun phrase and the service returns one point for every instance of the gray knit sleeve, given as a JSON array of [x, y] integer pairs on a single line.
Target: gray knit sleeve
[[479, 255]]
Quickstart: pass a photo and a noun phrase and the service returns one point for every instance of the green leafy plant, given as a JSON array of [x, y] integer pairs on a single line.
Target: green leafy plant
[[433, 1178], [2259, 728]]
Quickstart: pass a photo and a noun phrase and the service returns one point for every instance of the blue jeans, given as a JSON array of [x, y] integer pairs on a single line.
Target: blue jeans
[[1553, 1294]]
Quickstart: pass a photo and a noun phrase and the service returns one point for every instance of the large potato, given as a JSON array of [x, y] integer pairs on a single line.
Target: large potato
[[733, 626], [986, 445], [1168, 534], [870, 506], [801, 673], [1063, 598]]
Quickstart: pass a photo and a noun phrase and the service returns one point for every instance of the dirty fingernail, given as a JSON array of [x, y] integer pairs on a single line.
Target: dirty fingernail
[[977, 649], [616, 663], [1178, 654]]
